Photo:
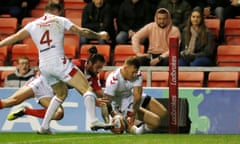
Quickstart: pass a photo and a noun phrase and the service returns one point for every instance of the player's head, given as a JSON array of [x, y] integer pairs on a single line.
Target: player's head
[[130, 68], [54, 8], [23, 65], [95, 62]]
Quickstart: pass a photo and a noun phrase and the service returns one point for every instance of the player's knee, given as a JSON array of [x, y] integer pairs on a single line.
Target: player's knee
[[60, 90], [156, 122], [59, 114]]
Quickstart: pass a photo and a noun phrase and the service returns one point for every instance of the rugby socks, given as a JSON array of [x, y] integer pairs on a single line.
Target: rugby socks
[[40, 113], [89, 102], [54, 104], [1, 106], [139, 130], [146, 129], [142, 129]]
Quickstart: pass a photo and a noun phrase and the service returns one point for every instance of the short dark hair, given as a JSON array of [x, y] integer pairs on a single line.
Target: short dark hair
[[133, 61], [53, 6]]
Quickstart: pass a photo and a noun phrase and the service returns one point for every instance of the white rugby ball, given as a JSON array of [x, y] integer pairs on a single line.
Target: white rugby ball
[[119, 124]]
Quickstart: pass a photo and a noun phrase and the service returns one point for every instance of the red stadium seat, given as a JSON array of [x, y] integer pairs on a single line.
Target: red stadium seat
[[228, 55], [8, 26], [123, 51], [159, 79], [232, 31], [74, 4], [24, 50], [70, 51], [214, 26], [73, 13], [3, 55], [4, 74], [223, 79], [190, 79], [26, 20]]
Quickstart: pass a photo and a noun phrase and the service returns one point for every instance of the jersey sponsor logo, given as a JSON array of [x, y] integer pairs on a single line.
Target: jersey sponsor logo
[[113, 80], [53, 46]]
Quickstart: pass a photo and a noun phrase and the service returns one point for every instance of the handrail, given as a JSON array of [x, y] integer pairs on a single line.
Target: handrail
[[149, 69]]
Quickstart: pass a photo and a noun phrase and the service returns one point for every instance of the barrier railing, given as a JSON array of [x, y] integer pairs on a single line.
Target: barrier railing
[[149, 69]]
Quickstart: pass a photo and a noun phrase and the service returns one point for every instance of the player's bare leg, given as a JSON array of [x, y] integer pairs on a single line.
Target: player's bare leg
[[89, 100], [150, 119], [105, 113], [157, 108], [18, 97], [39, 113]]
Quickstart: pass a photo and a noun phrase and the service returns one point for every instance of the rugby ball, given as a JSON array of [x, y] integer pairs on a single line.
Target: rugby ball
[[118, 123]]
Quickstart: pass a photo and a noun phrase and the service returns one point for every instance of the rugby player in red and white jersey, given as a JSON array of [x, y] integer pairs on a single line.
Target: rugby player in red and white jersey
[[47, 33], [124, 88]]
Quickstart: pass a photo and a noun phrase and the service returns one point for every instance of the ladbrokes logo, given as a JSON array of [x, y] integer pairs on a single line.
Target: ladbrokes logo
[[173, 73]]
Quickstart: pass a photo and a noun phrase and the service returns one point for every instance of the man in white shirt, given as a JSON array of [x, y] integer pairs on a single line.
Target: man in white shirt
[[124, 88]]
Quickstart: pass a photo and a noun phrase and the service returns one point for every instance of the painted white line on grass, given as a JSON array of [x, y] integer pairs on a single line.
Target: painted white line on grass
[[58, 139]]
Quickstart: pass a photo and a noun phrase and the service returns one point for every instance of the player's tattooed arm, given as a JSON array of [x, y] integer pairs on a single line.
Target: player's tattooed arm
[[89, 33]]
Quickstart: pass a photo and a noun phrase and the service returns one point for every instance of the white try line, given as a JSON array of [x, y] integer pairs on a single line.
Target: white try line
[[57, 139]]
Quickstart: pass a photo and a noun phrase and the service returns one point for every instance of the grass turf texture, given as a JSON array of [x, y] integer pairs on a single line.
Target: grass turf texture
[[109, 138]]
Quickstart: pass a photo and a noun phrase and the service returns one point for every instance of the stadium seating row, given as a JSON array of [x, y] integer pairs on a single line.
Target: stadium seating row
[[8, 25], [227, 55], [29, 49], [185, 79]]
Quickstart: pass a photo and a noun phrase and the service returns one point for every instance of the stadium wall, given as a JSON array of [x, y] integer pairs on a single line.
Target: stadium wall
[[212, 111]]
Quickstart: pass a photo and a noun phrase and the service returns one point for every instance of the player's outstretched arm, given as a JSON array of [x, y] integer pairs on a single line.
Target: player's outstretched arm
[[20, 35], [89, 33]]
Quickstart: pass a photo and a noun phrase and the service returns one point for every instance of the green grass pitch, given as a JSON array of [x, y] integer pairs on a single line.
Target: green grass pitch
[[109, 138]]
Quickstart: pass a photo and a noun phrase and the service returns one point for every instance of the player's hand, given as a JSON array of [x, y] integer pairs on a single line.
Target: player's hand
[[101, 101], [104, 35], [154, 61]]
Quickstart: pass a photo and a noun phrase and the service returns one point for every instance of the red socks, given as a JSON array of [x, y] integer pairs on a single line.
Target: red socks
[[40, 113], [1, 104]]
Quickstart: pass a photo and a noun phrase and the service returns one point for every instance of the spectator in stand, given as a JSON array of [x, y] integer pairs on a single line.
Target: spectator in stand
[[97, 16], [233, 9], [132, 15], [179, 9], [115, 4], [154, 6], [17, 8], [196, 45], [212, 9], [158, 33], [22, 74]]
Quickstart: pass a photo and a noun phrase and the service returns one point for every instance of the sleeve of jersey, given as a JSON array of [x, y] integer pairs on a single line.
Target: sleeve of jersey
[[95, 84], [111, 85], [67, 23], [28, 27], [139, 80]]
